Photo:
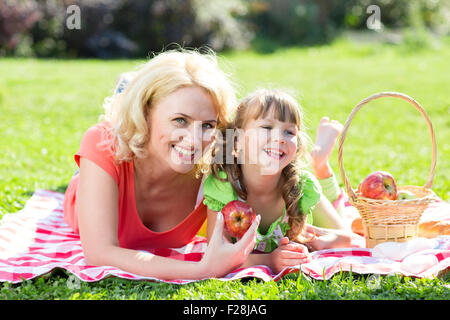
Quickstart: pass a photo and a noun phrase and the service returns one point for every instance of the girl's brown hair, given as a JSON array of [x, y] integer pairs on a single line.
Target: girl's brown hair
[[284, 108]]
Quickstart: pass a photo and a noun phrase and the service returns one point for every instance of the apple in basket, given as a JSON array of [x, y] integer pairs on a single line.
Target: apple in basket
[[238, 217], [405, 195], [379, 185]]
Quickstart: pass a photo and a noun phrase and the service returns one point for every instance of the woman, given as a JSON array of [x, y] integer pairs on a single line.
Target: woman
[[136, 188]]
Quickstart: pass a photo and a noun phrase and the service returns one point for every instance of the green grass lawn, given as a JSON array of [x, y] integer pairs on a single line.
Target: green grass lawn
[[47, 105]]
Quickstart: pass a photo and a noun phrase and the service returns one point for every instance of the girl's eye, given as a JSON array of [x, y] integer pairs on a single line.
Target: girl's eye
[[290, 132], [180, 121], [266, 127]]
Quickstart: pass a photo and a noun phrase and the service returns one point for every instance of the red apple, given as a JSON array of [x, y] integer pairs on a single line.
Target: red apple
[[238, 217], [379, 185]]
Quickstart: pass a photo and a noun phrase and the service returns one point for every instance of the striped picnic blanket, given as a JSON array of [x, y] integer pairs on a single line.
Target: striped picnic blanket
[[36, 240]]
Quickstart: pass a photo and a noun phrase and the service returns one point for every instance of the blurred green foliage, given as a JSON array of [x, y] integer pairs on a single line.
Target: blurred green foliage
[[134, 28], [119, 28], [305, 22]]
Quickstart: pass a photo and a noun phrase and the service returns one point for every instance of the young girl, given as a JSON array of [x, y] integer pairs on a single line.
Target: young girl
[[267, 171]]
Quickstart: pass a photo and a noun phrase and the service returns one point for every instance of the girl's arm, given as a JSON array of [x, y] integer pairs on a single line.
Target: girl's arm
[[98, 223], [327, 181], [287, 254], [325, 216], [329, 228]]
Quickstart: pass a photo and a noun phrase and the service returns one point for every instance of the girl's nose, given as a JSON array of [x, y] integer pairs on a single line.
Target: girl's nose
[[278, 137]]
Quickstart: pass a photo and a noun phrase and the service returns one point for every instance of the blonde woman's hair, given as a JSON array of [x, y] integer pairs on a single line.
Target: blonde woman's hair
[[166, 72], [283, 107]]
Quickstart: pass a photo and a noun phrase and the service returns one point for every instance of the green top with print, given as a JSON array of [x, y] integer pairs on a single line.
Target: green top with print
[[218, 193]]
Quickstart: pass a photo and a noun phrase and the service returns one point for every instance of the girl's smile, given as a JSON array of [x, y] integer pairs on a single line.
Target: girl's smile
[[274, 153], [270, 143]]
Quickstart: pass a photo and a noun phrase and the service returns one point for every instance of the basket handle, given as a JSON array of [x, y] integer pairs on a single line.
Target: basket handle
[[347, 185]]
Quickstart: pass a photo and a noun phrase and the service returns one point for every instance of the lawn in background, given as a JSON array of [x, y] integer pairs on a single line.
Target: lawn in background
[[47, 105]]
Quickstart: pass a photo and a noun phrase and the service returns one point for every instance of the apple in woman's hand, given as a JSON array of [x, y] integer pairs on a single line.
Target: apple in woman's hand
[[238, 217], [379, 185]]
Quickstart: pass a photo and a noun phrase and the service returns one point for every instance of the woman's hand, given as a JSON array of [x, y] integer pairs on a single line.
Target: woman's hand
[[288, 254], [221, 256]]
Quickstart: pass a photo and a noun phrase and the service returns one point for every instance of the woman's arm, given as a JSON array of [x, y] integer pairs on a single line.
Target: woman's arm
[[252, 260], [97, 205]]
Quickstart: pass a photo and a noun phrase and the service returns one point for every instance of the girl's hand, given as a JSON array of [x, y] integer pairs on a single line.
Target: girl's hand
[[328, 238], [221, 256], [288, 254]]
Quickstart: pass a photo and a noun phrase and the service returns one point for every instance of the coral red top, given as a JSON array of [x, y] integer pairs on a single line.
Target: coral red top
[[132, 233]]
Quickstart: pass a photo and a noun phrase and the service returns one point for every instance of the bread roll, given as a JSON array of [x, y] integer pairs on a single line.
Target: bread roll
[[432, 229], [357, 226]]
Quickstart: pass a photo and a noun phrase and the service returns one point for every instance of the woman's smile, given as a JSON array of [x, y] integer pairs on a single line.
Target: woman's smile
[[184, 153]]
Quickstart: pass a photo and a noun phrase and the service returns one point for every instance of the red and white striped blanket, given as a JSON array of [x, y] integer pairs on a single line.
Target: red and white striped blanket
[[36, 240]]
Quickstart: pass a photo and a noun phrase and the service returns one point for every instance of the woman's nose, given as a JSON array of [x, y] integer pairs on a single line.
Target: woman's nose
[[194, 134]]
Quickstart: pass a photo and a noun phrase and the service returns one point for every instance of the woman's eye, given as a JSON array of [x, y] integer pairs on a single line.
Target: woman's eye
[[180, 120], [266, 127]]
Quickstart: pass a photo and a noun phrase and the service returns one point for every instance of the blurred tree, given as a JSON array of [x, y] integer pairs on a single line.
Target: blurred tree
[[134, 28], [121, 28], [14, 19], [289, 22], [192, 23], [397, 13], [305, 22]]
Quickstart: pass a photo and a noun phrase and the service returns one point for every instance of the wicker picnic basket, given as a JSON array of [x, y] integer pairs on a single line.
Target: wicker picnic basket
[[390, 220]]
